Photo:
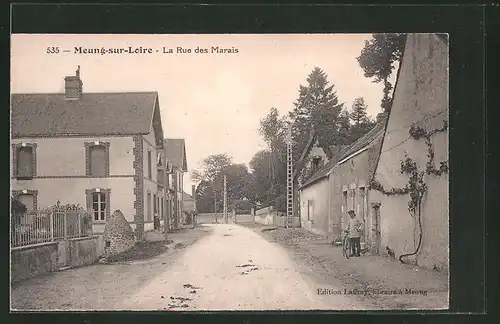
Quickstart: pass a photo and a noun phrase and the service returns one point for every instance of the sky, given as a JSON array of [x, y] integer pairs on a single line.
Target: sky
[[213, 100]]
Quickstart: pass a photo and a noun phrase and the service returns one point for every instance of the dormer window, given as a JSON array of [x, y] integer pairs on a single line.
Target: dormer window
[[316, 161]]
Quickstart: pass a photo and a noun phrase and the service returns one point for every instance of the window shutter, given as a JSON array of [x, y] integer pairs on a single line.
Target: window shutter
[[25, 162], [98, 161]]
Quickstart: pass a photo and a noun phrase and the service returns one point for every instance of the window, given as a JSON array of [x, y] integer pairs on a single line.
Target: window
[[97, 159], [149, 164], [28, 201], [99, 206], [309, 209], [24, 158], [158, 159], [316, 162], [98, 200]]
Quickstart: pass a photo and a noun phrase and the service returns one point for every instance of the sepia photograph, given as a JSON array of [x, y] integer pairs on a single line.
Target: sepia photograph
[[229, 172]]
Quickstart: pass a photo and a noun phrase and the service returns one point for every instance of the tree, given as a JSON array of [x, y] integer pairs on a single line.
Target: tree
[[205, 197], [260, 181], [344, 127], [318, 107], [212, 166], [377, 60], [237, 177], [358, 114], [273, 130], [361, 123]]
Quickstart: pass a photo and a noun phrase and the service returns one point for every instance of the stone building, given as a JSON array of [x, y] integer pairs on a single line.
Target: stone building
[[341, 184], [420, 107], [99, 150]]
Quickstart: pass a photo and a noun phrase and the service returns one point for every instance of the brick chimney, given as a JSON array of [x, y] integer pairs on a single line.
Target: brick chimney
[[73, 86]]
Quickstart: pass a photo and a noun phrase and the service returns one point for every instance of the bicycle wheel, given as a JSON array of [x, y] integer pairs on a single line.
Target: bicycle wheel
[[347, 248]]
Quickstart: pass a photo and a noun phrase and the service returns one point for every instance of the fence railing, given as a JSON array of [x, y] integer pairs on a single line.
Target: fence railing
[[49, 226]]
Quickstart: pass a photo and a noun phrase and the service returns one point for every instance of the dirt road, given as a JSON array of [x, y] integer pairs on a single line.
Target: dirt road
[[229, 268], [234, 268]]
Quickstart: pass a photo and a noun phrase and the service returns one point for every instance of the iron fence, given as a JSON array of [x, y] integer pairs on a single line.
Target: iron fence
[[50, 225]]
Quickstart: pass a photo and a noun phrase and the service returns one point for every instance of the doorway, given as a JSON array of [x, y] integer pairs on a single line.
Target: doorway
[[376, 232]]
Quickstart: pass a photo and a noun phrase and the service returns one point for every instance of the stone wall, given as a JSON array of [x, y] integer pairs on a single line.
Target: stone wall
[[32, 261], [79, 251], [265, 216], [118, 235]]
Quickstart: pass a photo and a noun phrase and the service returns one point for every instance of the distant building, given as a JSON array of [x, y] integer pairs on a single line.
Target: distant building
[[99, 150], [188, 203], [175, 151]]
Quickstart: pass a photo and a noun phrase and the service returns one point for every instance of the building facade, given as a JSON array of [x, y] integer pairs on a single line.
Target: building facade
[[420, 107], [99, 150], [341, 185], [175, 150]]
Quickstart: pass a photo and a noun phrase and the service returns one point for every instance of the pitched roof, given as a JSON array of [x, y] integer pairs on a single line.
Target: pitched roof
[[365, 140], [175, 152], [50, 114]]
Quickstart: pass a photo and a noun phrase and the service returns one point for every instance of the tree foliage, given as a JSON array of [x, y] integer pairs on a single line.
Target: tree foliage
[[361, 123], [210, 190], [378, 58], [317, 106]]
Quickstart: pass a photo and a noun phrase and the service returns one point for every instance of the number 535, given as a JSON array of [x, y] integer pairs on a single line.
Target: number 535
[[52, 50]]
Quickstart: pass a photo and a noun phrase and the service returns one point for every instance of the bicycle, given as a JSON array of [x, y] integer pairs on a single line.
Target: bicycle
[[346, 246]]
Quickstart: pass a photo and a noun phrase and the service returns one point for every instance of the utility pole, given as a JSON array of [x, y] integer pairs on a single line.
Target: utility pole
[[289, 180], [215, 205], [225, 200], [195, 212]]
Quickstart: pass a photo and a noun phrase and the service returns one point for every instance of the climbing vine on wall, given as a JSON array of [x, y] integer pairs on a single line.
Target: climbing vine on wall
[[416, 186]]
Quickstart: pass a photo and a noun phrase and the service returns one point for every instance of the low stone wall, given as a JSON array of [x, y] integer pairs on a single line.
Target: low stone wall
[[266, 216], [34, 260], [208, 218], [244, 219], [80, 251], [280, 221]]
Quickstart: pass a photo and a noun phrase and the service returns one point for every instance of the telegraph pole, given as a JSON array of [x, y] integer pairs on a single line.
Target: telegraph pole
[[215, 206], [289, 180], [225, 199]]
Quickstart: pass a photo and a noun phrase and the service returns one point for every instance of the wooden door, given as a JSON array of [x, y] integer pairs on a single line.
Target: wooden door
[[377, 237]]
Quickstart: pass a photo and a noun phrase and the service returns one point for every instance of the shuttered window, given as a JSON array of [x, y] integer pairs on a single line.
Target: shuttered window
[[24, 162], [98, 161]]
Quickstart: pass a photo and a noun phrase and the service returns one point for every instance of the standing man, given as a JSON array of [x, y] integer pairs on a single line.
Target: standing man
[[355, 228]]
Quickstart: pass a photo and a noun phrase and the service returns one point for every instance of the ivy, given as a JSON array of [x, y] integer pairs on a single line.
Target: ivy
[[416, 186], [418, 132]]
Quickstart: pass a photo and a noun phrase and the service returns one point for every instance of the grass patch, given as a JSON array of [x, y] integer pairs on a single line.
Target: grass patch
[[141, 251]]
